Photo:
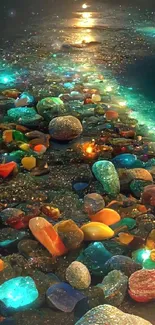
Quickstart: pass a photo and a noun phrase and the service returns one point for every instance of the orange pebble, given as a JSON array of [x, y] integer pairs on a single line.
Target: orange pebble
[[47, 236], [7, 136], [107, 216], [1, 265], [141, 208], [111, 115], [6, 169], [125, 238]]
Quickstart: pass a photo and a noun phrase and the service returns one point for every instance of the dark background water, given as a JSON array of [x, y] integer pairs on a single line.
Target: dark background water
[[19, 19]]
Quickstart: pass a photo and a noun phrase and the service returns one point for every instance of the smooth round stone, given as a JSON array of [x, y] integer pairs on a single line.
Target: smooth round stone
[[78, 275], [142, 285], [18, 293], [96, 231], [111, 115], [110, 315], [106, 216], [114, 287], [125, 160], [63, 297], [71, 235], [121, 263], [96, 98], [65, 128], [94, 257], [50, 107], [106, 174], [93, 203]]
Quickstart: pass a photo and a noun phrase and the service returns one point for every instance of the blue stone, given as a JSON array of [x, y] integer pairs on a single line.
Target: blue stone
[[29, 97], [125, 160], [18, 292], [63, 297], [94, 257]]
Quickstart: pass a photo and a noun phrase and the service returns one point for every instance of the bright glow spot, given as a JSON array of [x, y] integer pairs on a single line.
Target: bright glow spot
[[122, 104], [5, 79], [108, 88], [86, 15], [146, 255], [89, 149], [84, 6]]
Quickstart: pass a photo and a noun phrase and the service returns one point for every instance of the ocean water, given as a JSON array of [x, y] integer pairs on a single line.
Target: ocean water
[[123, 32]]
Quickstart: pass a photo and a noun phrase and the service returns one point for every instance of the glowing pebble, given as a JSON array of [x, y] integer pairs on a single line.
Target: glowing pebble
[[18, 292]]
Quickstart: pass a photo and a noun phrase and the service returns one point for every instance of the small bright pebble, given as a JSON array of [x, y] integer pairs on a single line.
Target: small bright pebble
[[78, 275], [96, 98]]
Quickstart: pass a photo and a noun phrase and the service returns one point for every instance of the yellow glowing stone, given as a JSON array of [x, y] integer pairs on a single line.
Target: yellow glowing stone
[[96, 231], [29, 162]]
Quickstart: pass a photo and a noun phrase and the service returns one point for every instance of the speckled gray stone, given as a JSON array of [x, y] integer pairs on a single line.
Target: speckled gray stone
[[109, 315], [78, 275]]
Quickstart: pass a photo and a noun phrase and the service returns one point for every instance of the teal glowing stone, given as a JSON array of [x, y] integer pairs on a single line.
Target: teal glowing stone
[[106, 174], [18, 292]]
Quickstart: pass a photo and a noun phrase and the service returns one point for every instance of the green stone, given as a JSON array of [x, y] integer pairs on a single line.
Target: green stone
[[19, 136], [129, 222], [18, 292], [137, 187], [106, 174], [50, 107], [21, 112]]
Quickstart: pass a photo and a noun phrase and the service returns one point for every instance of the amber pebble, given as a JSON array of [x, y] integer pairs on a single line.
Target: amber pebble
[[50, 211], [8, 136], [106, 216], [152, 255], [12, 93], [47, 236], [125, 238], [111, 115], [29, 162], [150, 242], [127, 134], [71, 235], [1, 265], [96, 231]]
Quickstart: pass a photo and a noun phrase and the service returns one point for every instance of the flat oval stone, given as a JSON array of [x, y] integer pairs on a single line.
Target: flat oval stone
[[94, 257], [106, 174], [63, 297], [65, 128], [110, 315], [142, 285], [18, 292], [47, 236], [106, 216], [122, 263], [114, 287], [78, 275], [96, 231]]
